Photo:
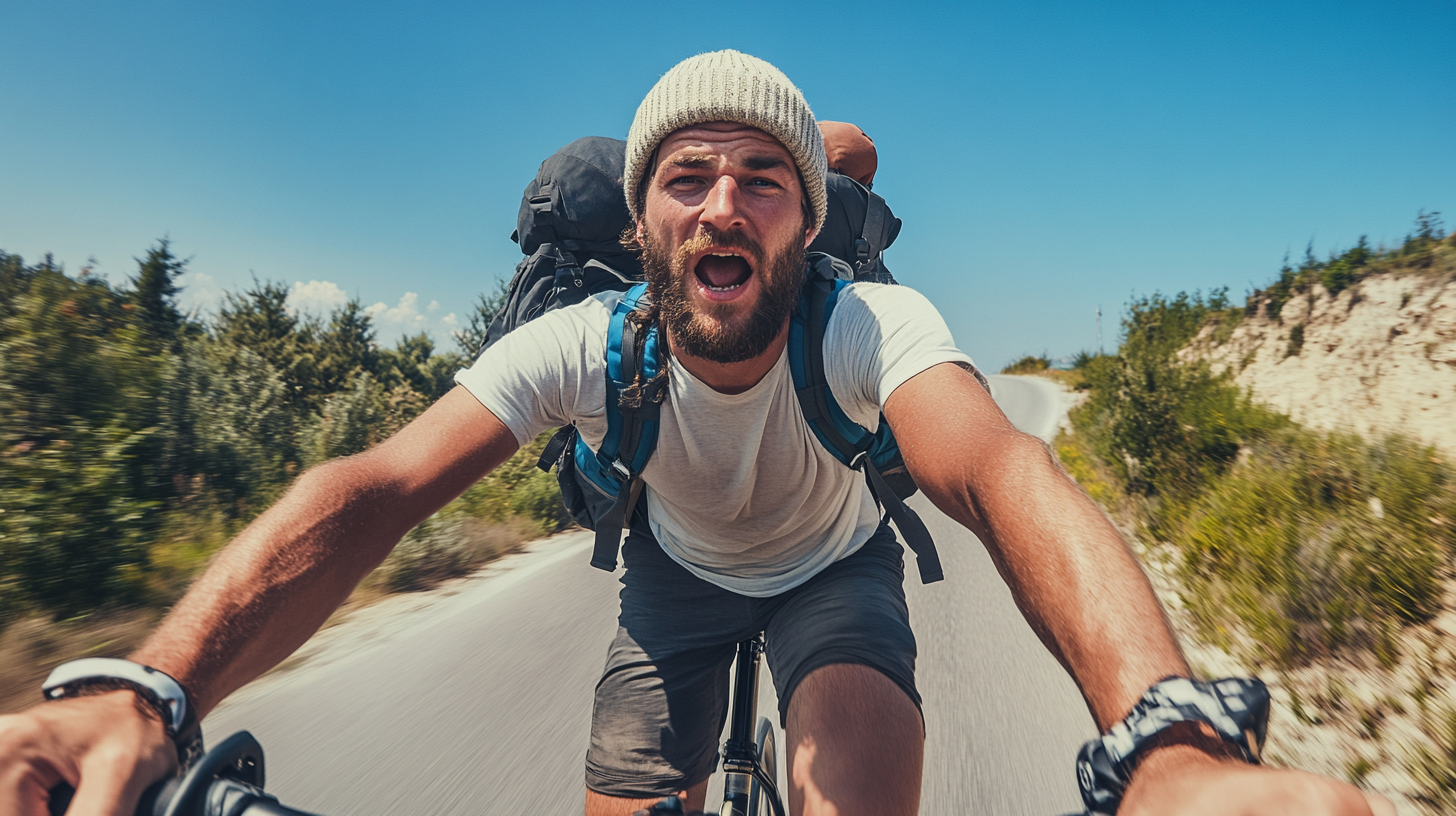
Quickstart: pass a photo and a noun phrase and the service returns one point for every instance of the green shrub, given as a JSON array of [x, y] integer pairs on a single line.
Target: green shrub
[[1029, 364], [1318, 542], [1296, 341]]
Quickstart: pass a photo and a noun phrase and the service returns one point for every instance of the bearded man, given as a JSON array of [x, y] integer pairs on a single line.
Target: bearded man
[[750, 524]]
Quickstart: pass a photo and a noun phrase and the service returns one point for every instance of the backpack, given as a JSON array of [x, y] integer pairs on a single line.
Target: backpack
[[571, 217], [857, 229], [568, 226]]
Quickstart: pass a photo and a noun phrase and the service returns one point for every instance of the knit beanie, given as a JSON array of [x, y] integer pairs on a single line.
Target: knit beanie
[[728, 86]]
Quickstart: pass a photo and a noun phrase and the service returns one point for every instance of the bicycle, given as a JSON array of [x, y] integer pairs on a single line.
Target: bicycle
[[749, 765]]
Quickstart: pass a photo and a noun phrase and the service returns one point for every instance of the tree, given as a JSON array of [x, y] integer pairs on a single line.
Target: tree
[[346, 348], [258, 320], [472, 337], [154, 293]]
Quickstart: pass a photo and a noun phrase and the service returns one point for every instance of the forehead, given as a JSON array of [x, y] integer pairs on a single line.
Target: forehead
[[728, 139]]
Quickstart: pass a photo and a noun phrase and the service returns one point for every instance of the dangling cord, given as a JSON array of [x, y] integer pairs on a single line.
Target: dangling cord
[[657, 386]]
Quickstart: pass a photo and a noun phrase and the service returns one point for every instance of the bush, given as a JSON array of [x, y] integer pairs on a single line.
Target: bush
[[1163, 426], [1028, 365], [1318, 542], [444, 548], [135, 442]]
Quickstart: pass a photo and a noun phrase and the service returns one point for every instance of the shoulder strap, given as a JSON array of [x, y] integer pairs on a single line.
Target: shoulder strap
[[631, 430], [849, 442]]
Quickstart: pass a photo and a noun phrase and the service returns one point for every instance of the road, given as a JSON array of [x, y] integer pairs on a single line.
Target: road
[[476, 699]]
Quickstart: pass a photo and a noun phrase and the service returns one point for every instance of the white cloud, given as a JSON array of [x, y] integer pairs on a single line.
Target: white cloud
[[405, 317], [315, 297], [200, 292]]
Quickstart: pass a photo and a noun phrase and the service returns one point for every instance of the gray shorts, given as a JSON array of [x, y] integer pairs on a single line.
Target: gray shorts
[[663, 698]]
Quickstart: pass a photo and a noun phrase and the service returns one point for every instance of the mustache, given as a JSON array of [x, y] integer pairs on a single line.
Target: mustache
[[727, 239]]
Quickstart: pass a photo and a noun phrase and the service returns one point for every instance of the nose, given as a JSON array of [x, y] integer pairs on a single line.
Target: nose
[[720, 209]]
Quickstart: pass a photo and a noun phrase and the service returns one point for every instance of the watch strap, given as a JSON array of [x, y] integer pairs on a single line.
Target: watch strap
[[1237, 709]]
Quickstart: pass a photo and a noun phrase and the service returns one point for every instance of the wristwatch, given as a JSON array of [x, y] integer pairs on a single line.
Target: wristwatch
[[1236, 708], [156, 688]]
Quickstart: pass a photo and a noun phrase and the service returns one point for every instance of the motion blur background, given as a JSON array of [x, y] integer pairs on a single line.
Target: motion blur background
[[1047, 158]]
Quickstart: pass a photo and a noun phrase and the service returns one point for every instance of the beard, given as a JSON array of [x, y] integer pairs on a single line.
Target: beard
[[716, 333]]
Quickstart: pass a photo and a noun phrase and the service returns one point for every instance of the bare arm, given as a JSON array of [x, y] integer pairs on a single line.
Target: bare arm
[[278, 581], [1084, 594], [1069, 570]]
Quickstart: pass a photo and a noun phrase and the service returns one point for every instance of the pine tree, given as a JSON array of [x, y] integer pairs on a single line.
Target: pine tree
[[154, 293]]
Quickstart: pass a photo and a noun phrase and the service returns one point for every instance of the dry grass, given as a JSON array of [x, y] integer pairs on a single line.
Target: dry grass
[[29, 649]]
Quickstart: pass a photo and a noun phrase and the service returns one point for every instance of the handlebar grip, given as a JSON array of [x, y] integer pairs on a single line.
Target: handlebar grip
[[60, 799]]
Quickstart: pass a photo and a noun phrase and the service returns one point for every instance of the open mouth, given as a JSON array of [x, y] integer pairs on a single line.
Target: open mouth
[[722, 271]]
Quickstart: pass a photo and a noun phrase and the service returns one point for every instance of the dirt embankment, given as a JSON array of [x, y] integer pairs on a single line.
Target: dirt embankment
[[1377, 358]]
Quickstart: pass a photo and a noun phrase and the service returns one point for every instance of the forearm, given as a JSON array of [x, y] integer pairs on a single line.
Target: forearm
[[1072, 575], [276, 583]]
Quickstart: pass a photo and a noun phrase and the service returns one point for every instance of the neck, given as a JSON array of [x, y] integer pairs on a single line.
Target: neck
[[732, 378]]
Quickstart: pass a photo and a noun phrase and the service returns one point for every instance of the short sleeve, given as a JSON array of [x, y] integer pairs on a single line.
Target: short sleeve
[[547, 373], [878, 337]]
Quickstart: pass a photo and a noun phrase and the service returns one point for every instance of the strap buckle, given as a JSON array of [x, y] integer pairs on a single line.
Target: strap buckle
[[621, 470]]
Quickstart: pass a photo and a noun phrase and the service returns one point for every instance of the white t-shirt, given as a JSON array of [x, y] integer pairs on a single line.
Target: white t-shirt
[[738, 490]]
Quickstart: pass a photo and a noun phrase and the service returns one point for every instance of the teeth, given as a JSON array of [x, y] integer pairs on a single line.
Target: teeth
[[725, 288]]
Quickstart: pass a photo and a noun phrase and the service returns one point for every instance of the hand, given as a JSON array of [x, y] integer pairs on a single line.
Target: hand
[[1183, 781], [108, 747]]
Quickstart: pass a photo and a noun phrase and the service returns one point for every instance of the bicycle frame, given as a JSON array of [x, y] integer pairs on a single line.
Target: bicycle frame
[[742, 765]]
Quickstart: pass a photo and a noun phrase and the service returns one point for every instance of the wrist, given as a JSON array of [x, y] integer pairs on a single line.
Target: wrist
[[1177, 726], [156, 696], [1181, 747]]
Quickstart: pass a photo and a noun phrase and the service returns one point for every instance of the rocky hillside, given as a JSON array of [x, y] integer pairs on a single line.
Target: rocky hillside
[[1375, 356]]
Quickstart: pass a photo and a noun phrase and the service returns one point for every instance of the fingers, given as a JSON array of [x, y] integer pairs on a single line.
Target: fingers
[[104, 746], [25, 776], [110, 784]]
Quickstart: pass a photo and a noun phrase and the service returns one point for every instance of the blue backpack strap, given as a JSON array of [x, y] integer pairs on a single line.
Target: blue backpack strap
[[616, 468], [848, 441]]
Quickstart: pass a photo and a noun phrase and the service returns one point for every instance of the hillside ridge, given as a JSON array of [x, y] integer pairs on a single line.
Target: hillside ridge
[[1376, 358]]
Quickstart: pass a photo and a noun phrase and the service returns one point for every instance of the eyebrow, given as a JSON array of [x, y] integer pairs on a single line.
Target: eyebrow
[[764, 162], [693, 161], [704, 161]]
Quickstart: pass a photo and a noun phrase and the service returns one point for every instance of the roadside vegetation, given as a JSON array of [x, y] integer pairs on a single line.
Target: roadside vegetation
[[1301, 553], [135, 441], [1030, 364]]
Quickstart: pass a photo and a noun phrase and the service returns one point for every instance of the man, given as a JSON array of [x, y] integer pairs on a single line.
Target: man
[[752, 524]]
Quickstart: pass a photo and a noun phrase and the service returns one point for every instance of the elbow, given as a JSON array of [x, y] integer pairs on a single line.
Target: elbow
[[1007, 466]]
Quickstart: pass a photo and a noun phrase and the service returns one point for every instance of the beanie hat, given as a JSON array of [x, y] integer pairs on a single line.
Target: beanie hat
[[728, 86]]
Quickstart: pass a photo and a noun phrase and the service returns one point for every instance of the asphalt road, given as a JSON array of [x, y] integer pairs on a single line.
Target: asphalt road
[[476, 699]]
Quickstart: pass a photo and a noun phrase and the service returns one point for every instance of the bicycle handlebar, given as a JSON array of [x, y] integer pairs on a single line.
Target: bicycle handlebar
[[226, 781]]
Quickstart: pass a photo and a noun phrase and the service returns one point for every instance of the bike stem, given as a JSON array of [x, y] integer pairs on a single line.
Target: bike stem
[[740, 753]]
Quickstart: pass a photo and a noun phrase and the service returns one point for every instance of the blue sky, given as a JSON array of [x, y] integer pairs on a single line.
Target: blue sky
[[1047, 158]]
